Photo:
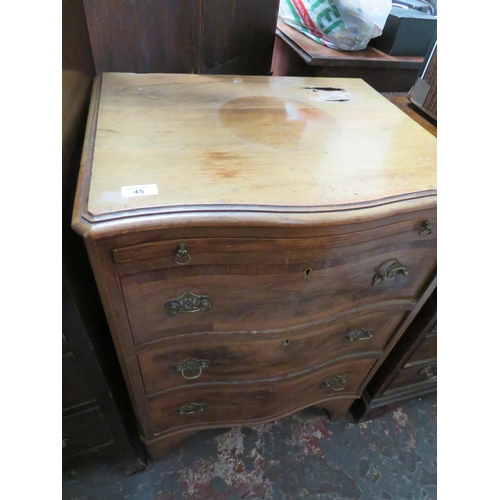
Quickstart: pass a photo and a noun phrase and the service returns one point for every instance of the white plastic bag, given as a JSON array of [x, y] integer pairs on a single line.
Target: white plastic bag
[[338, 24]]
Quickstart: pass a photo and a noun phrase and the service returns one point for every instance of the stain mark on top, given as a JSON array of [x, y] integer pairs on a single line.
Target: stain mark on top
[[276, 123], [222, 164]]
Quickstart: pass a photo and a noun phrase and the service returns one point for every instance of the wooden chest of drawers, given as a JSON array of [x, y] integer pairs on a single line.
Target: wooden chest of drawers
[[259, 246]]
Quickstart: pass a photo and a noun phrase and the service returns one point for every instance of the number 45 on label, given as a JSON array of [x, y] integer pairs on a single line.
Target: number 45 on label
[[142, 190]]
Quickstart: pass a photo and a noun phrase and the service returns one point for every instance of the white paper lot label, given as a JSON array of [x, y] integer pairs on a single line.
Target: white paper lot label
[[142, 190]]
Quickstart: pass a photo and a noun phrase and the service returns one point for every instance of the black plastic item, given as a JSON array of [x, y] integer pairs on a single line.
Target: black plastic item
[[407, 32]]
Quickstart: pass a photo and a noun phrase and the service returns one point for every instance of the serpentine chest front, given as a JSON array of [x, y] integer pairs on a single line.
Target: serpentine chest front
[[259, 245]]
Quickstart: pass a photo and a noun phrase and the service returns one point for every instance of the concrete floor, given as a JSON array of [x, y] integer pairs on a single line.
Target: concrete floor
[[304, 456]]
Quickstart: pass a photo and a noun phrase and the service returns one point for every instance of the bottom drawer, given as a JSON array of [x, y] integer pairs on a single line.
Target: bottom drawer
[[243, 403], [419, 374]]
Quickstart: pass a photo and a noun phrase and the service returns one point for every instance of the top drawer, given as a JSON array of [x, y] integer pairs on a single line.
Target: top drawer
[[187, 252]]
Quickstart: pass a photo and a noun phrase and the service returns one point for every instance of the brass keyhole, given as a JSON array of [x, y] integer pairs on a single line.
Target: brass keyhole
[[286, 342], [307, 272]]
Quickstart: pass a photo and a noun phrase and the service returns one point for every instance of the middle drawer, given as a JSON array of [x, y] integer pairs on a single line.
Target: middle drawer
[[240, 356]]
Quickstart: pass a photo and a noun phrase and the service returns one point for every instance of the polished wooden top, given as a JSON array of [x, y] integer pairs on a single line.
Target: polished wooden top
[[215, 142]]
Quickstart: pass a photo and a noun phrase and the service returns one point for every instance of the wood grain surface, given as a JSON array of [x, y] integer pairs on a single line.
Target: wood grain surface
[[401, 100], [291, 209], [270, 297], [245, 356], [144, 36], [158, 253], [241, 404], [237, 36], [247, 140], [182, 36]]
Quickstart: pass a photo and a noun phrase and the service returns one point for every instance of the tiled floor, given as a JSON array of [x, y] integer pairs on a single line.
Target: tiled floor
[[304, 456]]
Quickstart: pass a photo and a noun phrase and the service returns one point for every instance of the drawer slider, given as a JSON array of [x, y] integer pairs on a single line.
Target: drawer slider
[[188, 302]]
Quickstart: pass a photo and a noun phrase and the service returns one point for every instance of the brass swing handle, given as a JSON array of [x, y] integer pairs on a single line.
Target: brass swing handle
[[182, 257], [336, 383], [395, 271], [191, 408], [191, 364], [425, 228], [188, 302]]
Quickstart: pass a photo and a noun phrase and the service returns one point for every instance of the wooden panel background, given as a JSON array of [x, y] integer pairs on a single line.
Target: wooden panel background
[[182, 36], [144, 36], [237, 36], [100, 423]]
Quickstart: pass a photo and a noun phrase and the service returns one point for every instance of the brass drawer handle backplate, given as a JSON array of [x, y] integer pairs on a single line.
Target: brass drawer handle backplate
[[191, 408], [395, 271], [188, 302], [336, 383], [182, 257], [361, 334], [191, 364]]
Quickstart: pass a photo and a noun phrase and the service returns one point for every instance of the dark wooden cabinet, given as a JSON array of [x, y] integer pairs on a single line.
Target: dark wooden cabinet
[[295, 54], [409, 371], [251, 257], [237, 36], [182, 36], [92, 424]]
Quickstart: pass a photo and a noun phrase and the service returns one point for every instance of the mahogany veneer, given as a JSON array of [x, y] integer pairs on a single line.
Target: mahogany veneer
[[258, 248]]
